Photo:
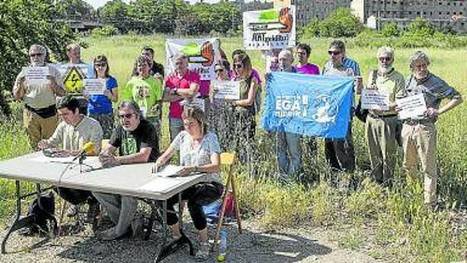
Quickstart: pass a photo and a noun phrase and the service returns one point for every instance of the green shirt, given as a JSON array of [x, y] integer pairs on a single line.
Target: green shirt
[[147, 93]]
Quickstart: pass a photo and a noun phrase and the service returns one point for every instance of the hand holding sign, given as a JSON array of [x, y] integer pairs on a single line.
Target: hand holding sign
[[94, 86], [411, 107]]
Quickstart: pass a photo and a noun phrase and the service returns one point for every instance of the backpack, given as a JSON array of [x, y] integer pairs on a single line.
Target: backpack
[[42, 212]]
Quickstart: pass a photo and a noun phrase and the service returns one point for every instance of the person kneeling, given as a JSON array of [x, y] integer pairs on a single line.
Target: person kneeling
[[136, 140], [199, 153]]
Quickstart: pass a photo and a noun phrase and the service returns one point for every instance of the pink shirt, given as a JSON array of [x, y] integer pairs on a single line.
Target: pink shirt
[[173, 81], [204, 87], [308, 68]]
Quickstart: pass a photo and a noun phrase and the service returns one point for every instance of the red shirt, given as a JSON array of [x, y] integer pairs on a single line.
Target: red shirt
[[173, 81]]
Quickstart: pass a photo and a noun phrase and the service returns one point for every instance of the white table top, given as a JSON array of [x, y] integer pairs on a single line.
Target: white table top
[[133, 180]]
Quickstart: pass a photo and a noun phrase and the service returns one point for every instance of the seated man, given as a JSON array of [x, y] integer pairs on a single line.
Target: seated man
[[136, 141], [71, 134]]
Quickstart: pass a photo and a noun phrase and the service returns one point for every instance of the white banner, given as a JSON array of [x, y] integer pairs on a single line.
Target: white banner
[[226, 90], [268, 29], [195, 102], [411, 107], [94, 86], [202, 55], [373, 99], [36, 75]]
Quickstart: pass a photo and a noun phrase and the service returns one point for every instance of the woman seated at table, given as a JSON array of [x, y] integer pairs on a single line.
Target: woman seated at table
[[199, 153]]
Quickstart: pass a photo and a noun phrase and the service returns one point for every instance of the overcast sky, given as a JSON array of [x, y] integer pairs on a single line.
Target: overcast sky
[[98, 3]]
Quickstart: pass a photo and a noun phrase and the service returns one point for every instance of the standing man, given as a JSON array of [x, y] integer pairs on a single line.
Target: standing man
[[74, 72], [380, 126], [288, 149], [340, 152], [183, 84], [40, 114], [147, 92], [419, 133], [156, 69], [72, 133], [136, 141]]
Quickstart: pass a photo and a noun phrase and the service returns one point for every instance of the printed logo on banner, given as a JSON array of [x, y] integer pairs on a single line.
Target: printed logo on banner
[[272, 28], [202, 55]]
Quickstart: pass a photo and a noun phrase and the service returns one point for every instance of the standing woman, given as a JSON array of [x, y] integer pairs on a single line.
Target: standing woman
[[199, 153], [100, 106], [244, 108]]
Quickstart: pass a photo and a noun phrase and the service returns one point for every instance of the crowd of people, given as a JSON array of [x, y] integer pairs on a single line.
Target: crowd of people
[[137, 133]]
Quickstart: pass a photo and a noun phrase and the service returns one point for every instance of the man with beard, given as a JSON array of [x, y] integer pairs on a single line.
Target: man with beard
[[40, 114], [380, 127], [136, 141], [419, 133]]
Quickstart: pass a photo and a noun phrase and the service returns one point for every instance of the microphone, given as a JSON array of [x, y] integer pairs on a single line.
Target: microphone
[[88, 148]]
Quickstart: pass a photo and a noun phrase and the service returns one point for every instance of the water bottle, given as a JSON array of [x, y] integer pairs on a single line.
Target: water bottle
[[222, 246]]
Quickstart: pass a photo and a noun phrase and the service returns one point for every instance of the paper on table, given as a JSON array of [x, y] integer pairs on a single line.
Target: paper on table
[[169, 170], [45, 159], [159, 184], [411, 107]]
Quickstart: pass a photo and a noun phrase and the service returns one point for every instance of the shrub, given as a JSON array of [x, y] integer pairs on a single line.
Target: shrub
[[106, 31]]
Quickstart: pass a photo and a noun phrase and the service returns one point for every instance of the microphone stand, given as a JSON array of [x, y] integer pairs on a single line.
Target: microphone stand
[[80, 161]]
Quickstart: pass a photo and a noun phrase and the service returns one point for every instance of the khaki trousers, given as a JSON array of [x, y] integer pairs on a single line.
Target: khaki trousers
[[38, 128], [419, 140], [382, 147]]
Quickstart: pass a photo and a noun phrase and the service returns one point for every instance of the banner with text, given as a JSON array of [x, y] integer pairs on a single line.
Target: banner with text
[[202, 55], [309, 105], [268, 29]]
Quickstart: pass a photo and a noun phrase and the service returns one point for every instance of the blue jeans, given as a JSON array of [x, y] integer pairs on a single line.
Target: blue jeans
[[288, 151], [175, 127]]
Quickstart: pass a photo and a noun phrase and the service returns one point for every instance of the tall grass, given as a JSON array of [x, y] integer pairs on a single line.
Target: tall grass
[[394, 221]]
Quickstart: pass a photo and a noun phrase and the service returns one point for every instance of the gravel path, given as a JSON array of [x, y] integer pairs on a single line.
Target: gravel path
[[254, 245]]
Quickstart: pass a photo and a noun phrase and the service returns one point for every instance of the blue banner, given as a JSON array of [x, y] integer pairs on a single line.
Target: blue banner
[[308, 104]]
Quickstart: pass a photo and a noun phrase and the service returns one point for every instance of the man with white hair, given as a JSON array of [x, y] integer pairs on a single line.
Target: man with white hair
[[288, 149], [419, 133], [40, 114], [380, 126]]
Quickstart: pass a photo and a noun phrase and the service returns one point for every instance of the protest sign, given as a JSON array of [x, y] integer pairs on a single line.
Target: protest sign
[[373, 99], [411, 107], [226, 90], [269, 29], [195, 102], [202, 55], [36, 75], [308, 104], [74, 74], [94, 86]]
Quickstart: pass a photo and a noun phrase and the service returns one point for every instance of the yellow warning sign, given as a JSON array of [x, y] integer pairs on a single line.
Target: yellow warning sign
[[73, 80]]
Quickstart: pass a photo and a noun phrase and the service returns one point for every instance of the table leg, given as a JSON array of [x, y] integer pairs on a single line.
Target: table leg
[[19, 222], [175, 245]]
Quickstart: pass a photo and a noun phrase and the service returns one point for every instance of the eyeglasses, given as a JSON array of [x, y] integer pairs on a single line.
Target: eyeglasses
[[125, 116], [35, 55], [100, 64], [335, 53], [385, 59], [219, 70], [237, 65], [188, 123]]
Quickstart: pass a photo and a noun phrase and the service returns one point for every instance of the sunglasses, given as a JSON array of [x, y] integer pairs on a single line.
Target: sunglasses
[[335, 53], [125, 116], [385, 59], [100, 64], [219, 70], [35, 55], [237, 65]]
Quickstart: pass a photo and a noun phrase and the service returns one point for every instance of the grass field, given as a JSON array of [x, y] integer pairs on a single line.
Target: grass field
[[393, 222]]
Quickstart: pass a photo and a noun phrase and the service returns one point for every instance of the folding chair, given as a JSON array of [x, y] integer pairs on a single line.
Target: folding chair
[[228, 159]]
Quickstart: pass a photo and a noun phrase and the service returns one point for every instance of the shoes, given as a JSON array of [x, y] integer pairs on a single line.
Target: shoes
[[93, 212], [109, 234], [203, 251], [72, 211]]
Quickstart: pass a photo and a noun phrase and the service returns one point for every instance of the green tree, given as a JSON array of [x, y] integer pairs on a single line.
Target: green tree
[[23, 23], [75, 10], [116, 13], [390, 30], [340, 23]]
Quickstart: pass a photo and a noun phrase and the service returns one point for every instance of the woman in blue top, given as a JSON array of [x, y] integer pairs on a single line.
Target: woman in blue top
[[100, 106]]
